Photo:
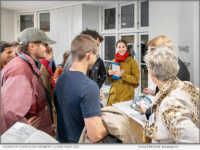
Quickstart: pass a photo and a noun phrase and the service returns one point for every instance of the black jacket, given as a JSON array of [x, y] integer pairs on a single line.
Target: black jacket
[[183, 74], [98, 72]]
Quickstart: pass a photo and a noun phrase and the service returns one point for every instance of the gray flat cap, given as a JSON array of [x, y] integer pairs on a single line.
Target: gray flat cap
[[33, 35]]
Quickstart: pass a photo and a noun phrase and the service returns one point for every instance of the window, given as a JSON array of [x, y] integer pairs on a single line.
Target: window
[[144, 77], [109, 44], [45, 22], [128, 21], [144, 40], [143, 68], [39, 20], [26, 21], [130, 39], [144, 18], [107, 82], [127, 16], [109, 21]]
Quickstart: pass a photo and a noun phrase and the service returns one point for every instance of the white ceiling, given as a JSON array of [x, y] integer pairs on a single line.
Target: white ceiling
[[33, 5], [42, 5]]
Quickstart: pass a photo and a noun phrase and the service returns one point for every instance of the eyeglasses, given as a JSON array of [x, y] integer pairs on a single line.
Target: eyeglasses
[[45, 44], [40, 42], [151, 48]]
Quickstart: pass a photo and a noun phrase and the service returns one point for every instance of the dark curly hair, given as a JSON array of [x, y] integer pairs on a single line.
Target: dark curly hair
[[93, 34], [4, 45]]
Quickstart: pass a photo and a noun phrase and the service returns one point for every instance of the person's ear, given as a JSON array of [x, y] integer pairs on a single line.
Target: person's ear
[[153, 77], [31, 45], [88, 56]]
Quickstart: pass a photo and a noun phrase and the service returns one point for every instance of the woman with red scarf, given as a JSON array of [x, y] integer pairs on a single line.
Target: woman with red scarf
[[124, 80]]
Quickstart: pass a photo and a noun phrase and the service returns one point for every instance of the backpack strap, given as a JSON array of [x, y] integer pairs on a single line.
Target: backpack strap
[[26, 60]]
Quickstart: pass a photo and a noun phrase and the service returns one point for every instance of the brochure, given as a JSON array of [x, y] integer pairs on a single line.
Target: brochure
[[132, 113], [24, 133], [146, 101], [115, 67]]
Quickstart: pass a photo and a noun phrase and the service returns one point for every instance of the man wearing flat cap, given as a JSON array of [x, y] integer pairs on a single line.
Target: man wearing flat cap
[[23, 96]]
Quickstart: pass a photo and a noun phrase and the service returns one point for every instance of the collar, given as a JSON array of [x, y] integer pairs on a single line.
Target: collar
[[37, 63], [170, 85], [28, 59]]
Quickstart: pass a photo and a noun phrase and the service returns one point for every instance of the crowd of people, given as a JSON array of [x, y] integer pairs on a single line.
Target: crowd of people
[[62, 100]]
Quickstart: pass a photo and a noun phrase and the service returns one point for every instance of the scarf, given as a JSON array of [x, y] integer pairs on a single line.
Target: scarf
[[119, 58], [46, 64]]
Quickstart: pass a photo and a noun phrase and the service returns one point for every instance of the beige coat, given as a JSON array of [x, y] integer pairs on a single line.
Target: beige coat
[[176, 111], [117, 124]]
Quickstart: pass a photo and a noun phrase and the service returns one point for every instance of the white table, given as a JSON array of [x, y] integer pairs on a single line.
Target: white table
[[137, 120]]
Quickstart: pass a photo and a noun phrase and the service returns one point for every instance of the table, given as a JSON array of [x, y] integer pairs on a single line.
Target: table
[[139, 131], [137, 120]]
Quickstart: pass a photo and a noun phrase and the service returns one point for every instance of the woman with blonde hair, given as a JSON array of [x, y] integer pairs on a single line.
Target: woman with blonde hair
[[175, 112], [161, 41]]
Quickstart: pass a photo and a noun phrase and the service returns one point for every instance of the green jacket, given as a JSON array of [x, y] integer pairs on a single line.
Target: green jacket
[[123, 89]]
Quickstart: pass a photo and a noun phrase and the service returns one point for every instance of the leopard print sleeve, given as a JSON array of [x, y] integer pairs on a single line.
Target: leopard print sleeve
[[178, 121]]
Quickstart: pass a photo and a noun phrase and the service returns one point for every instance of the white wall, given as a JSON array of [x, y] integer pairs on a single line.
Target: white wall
[[164, 19], [196, 43], [90, 17], [178, 21], [187, 35], [68, 22], [65, 24], [7, 25]]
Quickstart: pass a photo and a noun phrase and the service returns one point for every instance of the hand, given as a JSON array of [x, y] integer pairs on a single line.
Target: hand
[[54, 131], [122, 72], [142, 107], [34, 121], [101, 96], [110, 72], [148, 91], [119, 73], [49, 54]]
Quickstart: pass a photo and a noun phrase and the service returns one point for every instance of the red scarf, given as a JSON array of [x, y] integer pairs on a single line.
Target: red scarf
[[46, 64], [119, 58]]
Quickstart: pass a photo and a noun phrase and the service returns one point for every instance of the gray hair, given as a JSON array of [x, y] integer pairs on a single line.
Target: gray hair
[[163, 63]]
